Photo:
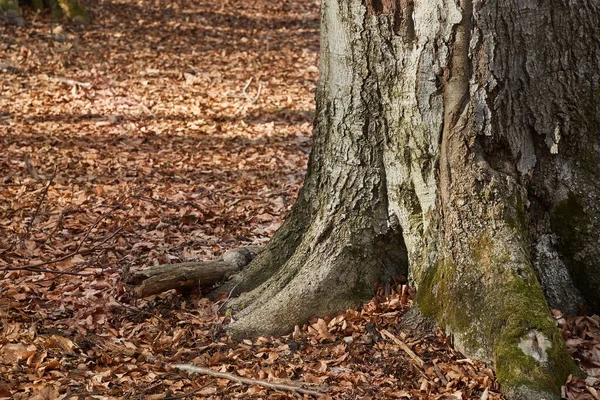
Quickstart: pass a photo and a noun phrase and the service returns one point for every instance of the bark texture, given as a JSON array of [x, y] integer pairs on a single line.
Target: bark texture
[[59, 8], [13, 12], [72, 9], [189, 275], [462, 138]]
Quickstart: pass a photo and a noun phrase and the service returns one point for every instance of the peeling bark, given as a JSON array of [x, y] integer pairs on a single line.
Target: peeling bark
[[459, 139]]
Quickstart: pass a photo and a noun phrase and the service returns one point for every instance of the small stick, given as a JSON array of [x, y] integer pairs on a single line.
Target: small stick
[[170, 203], [31, 168], [50, 271], [226, 300], [247, 381], [246, 87], [403, 346], [257, 92], [34, 267], [70, 82], [97, 221], [39, 205], [139, 310], [249, 98]]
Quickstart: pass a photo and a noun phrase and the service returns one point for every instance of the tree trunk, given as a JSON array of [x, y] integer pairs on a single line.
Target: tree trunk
[[13, 12], [459, 138], [59, 8], [72, 10]]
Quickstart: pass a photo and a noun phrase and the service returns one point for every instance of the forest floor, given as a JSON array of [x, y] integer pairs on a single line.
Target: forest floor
[[171, 131]]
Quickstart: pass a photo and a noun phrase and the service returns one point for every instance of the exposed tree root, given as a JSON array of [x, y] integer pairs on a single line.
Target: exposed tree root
[[331, 270]]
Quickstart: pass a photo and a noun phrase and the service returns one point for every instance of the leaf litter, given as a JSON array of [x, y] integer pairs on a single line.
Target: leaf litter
[[172, 131]]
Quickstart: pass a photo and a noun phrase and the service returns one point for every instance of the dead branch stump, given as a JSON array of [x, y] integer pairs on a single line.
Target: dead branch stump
[[160, 278]]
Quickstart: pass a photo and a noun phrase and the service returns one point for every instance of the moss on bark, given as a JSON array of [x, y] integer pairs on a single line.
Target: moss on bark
[[571, 223], [37, 5], [6, 5], [490, 306], [13, 12], [59, 8]]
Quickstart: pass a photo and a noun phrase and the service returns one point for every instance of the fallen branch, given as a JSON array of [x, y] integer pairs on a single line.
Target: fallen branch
[[70, 82], [160, 278], [248, 381]]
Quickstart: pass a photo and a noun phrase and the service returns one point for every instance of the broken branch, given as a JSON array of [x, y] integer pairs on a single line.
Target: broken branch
[[160, 278], [404, 347]]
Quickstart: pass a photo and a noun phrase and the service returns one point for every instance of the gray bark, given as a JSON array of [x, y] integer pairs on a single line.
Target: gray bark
[[460, 138], [69, 8]]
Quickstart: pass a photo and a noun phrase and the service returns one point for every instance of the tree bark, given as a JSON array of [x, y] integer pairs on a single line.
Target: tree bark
[[69, 8], [459, 139], [13, 12]]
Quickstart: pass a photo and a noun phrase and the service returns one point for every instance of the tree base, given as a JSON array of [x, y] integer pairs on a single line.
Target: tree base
[[331, 268]]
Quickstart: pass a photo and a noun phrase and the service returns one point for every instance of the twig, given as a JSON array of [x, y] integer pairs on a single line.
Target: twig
[[50, 271], [69, 81], [247, 96], [138, 310], [17, 184], [31, 168], [226, 300], [39, 205], [257, 93], [170, 203], [9, 248], [246, 87], [57, 226], [404, 347], [96, 222], [35, 267], [247, 381]]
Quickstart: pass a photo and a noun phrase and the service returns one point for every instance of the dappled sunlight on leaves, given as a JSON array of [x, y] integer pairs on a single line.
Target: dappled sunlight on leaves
[[172, 131]]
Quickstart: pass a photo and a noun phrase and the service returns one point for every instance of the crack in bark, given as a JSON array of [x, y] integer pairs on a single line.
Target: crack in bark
[[456, 94]]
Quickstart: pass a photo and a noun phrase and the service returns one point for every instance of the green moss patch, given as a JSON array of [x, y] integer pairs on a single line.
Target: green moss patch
[[492, 306], [74, 10]]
